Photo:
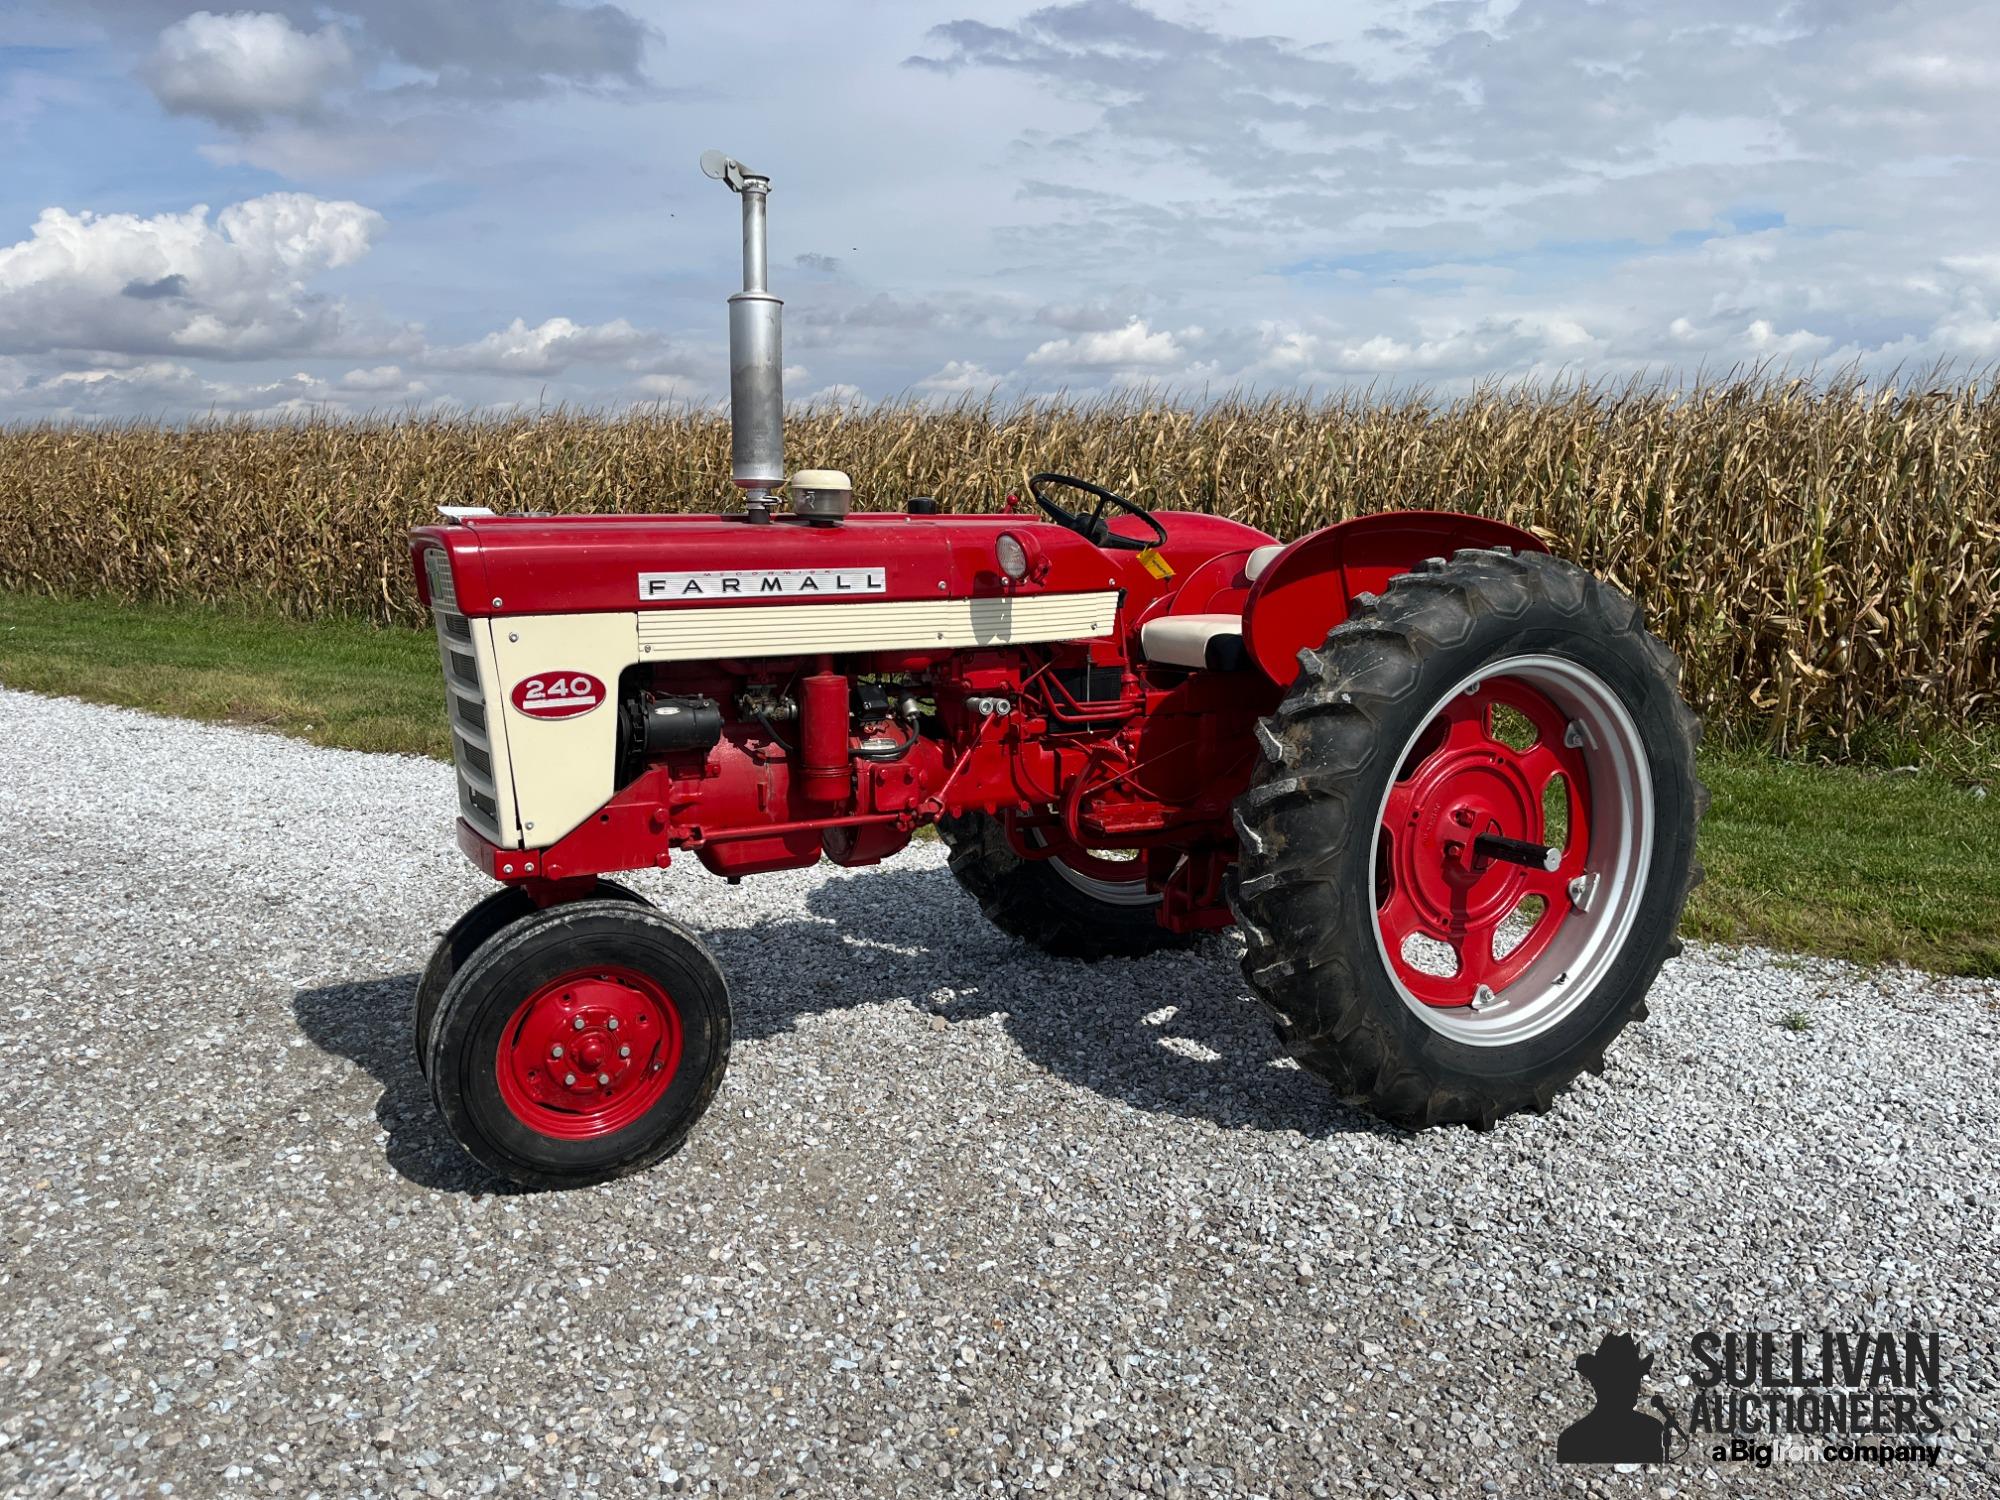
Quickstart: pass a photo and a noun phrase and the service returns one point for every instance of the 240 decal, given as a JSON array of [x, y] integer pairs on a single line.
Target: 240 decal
[[558, 695]]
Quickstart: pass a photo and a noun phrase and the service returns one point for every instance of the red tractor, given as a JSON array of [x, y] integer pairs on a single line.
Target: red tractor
[[1441, 781]]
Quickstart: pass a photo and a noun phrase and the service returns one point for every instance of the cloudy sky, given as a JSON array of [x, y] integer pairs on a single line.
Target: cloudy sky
[[379, 203]]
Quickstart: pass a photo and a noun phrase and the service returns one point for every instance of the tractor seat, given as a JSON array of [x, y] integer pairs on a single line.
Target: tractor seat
[[1211, 641], [1214, 642]]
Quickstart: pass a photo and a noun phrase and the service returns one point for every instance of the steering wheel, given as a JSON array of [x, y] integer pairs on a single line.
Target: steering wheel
[[1092, 527]]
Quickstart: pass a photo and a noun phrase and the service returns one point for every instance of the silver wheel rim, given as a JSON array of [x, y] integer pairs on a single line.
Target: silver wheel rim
[[1587, 943], [1110, 892]]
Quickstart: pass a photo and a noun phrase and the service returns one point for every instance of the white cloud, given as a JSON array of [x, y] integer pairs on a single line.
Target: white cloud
[[179, 284], [1122, 348], [380, 380], [1970, 330], [100, 314], [1766, 342], [242, 68], [1983, 267], [1932, 70], [172, 388], [548, 348], [662, 386], [841, 396], [156, 377], [383, 81], [958, 377]]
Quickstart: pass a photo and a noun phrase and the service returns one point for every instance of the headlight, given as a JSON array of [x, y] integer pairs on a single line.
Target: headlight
[[1012, 556]]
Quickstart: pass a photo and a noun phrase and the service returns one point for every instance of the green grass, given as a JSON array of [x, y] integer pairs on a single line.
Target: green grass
[[1860, 864], [350, 685], [1855, 863]]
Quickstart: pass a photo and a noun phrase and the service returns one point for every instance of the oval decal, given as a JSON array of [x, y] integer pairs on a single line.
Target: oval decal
[[558, 695]]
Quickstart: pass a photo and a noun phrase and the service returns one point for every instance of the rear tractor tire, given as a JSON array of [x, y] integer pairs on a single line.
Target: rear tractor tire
[[1070, 909], [1467, 846], [581, 1044]]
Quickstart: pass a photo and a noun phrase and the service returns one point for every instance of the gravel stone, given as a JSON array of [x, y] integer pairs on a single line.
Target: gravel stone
[[963, 1220]]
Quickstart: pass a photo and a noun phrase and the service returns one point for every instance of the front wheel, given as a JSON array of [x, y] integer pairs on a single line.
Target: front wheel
[[581, 1044], [481, 923], [1466, 852]]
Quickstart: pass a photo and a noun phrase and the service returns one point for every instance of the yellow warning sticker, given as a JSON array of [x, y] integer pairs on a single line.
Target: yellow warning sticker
[[1155, 564]]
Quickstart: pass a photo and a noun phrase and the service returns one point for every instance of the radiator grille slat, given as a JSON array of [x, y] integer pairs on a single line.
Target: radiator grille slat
[[471, 712], [437, 568], [471, 750], [473, 756]]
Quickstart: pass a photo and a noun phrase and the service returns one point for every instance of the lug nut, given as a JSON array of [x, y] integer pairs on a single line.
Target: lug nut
[[556, 1050], [624, 1051], [612, 1024], [570, 1079], [603, 1079], [579, 1023]]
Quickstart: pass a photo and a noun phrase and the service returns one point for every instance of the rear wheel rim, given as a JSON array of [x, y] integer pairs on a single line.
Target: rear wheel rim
[[1115, 882], [589, 1053], [1459, 935], [1115, 878]]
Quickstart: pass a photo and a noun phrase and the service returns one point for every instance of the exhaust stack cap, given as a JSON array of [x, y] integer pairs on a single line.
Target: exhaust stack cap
[[726, 169], [756, 356], [822, 495]]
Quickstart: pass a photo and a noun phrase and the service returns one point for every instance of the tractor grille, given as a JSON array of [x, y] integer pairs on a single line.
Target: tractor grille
[[472, 751]]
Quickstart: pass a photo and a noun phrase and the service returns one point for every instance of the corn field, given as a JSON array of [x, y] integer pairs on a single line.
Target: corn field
[[1826, 560]]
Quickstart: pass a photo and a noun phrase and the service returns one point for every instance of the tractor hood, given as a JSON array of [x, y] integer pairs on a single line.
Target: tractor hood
[[503, 565]]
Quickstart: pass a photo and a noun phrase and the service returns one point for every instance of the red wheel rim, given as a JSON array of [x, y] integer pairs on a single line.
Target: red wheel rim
[[1460, 781], [589, 1053]]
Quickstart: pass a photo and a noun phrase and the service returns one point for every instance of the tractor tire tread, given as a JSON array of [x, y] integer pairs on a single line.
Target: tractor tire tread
[[1296, 821]]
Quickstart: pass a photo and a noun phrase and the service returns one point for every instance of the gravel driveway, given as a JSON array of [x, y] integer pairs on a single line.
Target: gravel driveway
[[963, 1218]]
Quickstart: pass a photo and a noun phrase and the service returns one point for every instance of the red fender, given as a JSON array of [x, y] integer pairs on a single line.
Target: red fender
[[1303, 591]]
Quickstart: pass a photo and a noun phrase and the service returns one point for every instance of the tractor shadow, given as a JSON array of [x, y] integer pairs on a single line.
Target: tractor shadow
[[1173, 1033], [368, 1023], [1170, 1034]]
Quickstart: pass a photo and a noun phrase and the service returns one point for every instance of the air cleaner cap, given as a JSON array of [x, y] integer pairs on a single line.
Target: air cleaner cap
[[821, 494]]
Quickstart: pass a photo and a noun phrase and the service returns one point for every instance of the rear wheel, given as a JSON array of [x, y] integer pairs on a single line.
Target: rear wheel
[[581, 1044], [480, 925], [1086, 904], [1466, 852]]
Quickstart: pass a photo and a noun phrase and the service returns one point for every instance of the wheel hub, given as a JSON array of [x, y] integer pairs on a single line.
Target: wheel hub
[[589, 1052], [1460, 783], [1456, 796]]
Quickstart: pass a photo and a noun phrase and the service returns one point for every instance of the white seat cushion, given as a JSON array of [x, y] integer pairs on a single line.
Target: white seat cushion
[[1260, 559], [1193, 640]]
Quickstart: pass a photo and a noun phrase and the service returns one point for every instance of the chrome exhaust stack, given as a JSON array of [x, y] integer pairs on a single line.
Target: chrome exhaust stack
[[756, 354]]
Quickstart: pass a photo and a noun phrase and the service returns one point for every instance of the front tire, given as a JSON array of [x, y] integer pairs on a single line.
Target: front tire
[[581, 1044], [1425, 978], [482, 923]]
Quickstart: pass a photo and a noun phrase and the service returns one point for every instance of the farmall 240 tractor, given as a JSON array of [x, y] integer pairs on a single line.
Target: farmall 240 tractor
[[1441, 781]]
